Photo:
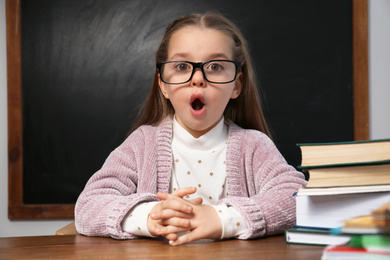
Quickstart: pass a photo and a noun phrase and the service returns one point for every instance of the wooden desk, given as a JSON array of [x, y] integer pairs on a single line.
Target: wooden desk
[[81, 247]]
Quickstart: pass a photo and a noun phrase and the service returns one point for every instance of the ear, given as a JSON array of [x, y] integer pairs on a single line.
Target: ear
[[163, 87], [238, 86]]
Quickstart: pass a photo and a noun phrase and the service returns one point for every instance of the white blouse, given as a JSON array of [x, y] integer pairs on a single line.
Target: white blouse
[[197, 162]]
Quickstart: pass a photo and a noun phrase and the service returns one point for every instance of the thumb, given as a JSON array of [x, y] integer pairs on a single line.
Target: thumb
[[187, 238]]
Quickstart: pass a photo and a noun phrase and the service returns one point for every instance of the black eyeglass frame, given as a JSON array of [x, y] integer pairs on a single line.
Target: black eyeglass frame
[[196, 65]]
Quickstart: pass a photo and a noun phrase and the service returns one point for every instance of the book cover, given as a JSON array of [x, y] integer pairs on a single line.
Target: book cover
[[345, 153], [348, 176], [314, 236]]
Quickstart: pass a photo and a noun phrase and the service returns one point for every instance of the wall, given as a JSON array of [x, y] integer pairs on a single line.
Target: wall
[[379, 66]]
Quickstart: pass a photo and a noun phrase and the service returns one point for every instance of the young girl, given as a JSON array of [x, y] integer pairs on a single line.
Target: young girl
[[200, 163]]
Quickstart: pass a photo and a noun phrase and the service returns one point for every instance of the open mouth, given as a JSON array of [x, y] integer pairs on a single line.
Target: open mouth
[[197, 104]]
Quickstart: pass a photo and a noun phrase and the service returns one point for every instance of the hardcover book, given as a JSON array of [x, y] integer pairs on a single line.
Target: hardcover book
[[345, 153], [314, 236]]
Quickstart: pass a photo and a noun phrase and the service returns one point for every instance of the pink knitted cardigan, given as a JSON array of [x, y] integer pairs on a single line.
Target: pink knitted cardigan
[[260, 182]]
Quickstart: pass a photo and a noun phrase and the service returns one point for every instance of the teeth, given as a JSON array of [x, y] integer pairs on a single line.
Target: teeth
[[197, 104]]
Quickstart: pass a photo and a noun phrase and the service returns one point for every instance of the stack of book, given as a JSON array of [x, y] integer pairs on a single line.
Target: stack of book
[[370, 237], [346, 163], [346, 180], [344, 252]]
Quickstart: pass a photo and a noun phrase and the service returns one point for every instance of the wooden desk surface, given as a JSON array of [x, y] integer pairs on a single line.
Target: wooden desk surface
[[82, 247]]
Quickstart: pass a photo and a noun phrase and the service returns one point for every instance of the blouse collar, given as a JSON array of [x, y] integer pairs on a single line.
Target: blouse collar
[[217, 136]]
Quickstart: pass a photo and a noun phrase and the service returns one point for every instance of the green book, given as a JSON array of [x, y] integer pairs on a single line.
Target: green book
[[345, 153], [371, 242]]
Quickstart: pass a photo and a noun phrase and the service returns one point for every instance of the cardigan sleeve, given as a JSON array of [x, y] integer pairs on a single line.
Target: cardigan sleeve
[[113, 190], [261, 185]]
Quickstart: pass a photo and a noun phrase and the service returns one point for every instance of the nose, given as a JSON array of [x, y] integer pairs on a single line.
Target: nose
[[198, 78]]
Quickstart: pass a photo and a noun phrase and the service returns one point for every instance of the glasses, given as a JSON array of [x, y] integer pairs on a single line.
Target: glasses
[[214, 71]]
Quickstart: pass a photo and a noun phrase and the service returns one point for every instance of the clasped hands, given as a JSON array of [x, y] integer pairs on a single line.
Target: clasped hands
[[174, 214]]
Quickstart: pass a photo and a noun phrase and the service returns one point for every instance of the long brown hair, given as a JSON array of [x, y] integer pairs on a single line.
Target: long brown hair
[[244, 111]]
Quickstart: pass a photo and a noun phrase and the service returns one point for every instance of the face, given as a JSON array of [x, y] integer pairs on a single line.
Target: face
[[198, 104]]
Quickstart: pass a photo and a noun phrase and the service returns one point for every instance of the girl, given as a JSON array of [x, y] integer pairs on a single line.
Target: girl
[[199, 163]]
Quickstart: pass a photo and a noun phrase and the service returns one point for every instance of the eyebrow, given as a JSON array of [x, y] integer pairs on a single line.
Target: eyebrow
[[184, 56]]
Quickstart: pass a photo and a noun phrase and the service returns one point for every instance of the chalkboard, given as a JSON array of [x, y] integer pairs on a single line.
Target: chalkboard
[[86, 67]]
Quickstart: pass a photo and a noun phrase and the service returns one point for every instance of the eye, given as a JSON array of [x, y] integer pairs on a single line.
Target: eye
[[183, 67], [214, 66]]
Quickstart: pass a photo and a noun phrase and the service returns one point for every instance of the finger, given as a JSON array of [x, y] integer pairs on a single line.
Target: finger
[[182, 192], [162, 195], [168, 213], [171, 236], [177, 222], [166, 196], [164, 231], [173, 202], [187, 238], [197, 200]]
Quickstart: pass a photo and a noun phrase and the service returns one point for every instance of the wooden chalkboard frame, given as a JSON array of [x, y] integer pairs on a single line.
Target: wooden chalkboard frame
[[18, 210]]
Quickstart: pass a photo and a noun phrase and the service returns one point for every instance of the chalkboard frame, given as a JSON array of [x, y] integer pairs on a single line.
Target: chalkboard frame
[[18, 210]]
